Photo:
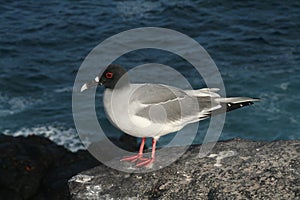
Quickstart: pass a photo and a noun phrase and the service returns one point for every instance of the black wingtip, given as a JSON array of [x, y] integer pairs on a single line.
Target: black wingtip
[[233, 106], [227, 107]]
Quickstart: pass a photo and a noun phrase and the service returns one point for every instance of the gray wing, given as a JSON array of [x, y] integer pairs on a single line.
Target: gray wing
[[160, 103]]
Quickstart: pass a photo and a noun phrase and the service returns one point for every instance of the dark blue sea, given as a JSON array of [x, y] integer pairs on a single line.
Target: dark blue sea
[[255, 45]]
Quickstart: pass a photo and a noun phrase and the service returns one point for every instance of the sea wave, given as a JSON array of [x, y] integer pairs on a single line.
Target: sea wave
[[63, 89], [131, 10], [57, 133], [12, 105]]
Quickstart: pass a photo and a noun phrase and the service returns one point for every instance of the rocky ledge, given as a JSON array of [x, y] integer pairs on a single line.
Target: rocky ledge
[[36, 168], [236, 169]]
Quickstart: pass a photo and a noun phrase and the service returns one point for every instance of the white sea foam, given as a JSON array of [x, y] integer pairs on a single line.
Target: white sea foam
[[270, 103], [64, 89], [12, 105], [60, 135], [130, 10], [284, 86], [273, 106]]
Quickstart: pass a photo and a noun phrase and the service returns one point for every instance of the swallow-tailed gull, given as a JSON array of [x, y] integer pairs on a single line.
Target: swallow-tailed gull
[[153, 110]]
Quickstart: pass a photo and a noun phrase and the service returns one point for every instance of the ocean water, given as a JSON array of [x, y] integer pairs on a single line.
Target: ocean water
[[256, 46]]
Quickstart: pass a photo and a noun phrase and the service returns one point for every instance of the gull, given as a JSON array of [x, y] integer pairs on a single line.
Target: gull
[[154, 110]]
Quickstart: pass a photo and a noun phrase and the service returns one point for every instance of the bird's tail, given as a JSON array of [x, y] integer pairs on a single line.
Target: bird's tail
[[232, 103]]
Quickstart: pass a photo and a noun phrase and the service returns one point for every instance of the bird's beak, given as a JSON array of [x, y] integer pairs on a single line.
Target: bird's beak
[[91, 84]]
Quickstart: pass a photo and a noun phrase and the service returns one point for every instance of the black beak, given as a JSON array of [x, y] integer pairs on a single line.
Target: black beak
[[91, 84]]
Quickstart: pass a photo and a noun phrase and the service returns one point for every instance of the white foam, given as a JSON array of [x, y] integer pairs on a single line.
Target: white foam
[[64, 89], [12, 105], [130, 10], [270, 103], [284, 86], [60, 135]]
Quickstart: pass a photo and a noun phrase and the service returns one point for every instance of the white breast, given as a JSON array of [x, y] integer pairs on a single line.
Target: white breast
[[122, 114]]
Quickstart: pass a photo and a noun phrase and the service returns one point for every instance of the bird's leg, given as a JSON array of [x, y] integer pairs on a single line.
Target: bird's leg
[[148, 161], [138, 156]]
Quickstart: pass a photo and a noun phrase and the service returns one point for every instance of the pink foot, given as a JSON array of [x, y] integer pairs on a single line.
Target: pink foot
[[145, 162], [131, 158], [141, 161]]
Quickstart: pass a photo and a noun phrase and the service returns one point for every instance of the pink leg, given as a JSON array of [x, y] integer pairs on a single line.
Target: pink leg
[[138, 156], [148, 161]]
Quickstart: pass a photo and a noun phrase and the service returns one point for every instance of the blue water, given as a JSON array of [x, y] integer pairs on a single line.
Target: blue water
[[256, 46]]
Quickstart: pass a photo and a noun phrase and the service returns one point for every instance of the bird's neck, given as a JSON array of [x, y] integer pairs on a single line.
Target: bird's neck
[[122, 83]]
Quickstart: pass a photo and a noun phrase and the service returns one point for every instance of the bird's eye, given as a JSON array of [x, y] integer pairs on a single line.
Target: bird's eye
[[109, 75]]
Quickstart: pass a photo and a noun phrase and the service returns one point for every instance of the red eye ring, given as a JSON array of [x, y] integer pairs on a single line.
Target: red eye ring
[[109, 75]]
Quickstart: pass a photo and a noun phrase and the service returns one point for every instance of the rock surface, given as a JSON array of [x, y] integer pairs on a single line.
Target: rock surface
[[36, 168], [236, 169]]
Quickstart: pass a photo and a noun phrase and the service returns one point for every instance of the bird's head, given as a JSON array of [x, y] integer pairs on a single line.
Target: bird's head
[[114, 76]]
